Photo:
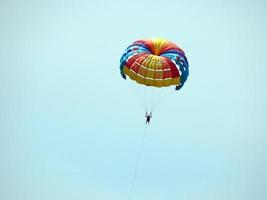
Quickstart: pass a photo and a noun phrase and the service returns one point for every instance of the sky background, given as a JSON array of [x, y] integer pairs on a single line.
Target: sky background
[[70, 127]]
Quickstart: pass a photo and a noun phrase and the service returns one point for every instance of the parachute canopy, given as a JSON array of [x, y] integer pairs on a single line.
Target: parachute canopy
[[155, 62]]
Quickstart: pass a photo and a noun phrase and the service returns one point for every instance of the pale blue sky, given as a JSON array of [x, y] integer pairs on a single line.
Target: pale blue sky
[[70, 127]]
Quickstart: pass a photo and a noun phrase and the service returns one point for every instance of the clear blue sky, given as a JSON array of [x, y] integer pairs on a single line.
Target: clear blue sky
[[70, 128]]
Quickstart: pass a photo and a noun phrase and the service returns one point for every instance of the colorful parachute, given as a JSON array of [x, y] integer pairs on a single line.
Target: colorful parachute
[[155, 62]]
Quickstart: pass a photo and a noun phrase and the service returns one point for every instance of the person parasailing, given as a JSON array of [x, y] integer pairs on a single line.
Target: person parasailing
[[148, 117]]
